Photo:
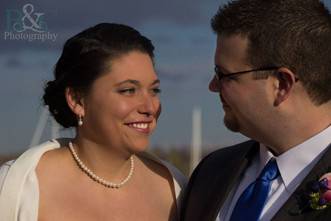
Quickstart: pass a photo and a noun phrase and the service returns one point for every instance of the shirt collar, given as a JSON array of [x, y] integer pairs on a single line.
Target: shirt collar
[[293, 162]]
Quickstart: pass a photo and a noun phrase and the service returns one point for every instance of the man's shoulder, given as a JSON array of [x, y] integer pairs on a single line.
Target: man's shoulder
[[225, 159], [231, 152]]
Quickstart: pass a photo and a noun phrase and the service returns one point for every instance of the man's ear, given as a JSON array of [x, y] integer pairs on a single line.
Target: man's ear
[[75, 101], [285, 82]]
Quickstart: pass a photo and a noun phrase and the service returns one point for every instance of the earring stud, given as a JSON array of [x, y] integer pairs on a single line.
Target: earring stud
[[80, 121]]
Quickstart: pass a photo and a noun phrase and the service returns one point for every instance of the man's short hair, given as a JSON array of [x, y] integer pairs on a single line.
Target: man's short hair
[[287, 33]]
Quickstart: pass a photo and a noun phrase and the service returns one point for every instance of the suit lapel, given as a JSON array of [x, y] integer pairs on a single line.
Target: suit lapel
[[214, 179], [290, 210], [222, 187]]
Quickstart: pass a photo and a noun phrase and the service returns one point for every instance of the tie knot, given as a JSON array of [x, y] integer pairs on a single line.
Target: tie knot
[[270, 171]]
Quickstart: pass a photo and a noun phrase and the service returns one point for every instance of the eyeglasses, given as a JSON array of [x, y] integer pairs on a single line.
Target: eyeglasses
[[220, 75]]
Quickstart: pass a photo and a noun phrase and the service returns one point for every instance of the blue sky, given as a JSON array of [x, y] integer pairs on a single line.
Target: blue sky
[[184, 42]]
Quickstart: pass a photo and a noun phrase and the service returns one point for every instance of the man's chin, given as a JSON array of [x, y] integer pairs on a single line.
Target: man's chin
[[231, 123]]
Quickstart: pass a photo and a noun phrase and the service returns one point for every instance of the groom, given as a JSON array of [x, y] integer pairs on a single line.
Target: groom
[[273, 77]]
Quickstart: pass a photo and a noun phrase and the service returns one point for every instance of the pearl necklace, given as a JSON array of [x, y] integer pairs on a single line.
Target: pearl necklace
[[96, 178]]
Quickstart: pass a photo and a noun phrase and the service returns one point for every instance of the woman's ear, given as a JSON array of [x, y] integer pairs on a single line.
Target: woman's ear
[[285, 82], [75, 101]]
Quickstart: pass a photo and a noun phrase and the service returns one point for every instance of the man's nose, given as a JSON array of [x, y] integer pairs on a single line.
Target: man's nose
[[214, 85]]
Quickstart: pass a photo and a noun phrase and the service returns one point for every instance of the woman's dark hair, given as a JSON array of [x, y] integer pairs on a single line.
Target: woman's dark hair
[[85, 57]]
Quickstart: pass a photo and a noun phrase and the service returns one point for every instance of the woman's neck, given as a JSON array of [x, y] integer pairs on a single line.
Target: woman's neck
[[107, 162]]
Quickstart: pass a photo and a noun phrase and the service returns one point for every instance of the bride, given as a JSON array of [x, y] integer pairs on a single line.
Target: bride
[[106, 87]]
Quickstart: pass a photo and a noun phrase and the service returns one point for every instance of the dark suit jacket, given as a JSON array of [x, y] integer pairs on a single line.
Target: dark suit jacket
[[215, 176]]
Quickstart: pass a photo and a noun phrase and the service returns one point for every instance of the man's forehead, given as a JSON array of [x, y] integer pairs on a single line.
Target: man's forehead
[[231, 50], [228, 42]]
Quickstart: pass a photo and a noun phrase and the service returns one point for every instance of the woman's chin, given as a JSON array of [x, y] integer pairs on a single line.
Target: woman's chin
[[139, 146]]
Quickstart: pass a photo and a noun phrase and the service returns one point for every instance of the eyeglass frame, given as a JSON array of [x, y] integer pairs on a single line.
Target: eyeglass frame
[[219, 75]]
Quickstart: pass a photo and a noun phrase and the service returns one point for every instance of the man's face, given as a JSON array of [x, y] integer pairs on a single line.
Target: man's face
[[243, 98]]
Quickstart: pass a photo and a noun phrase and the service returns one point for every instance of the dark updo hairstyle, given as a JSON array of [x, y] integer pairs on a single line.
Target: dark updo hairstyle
[[85, 57]]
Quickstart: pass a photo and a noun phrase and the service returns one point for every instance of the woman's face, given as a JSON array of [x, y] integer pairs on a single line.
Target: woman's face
[[122, 106]]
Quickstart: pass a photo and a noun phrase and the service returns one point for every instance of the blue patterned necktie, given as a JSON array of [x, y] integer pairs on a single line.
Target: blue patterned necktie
[[251, 202]]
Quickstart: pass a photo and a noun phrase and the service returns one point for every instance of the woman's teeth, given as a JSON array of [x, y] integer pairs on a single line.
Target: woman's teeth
[[140, 125]]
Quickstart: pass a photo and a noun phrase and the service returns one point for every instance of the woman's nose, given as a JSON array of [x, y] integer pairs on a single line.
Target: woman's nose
[[150, 105]]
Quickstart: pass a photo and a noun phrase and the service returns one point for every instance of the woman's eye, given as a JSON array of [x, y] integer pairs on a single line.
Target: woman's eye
[[127, 91], [156, 90]]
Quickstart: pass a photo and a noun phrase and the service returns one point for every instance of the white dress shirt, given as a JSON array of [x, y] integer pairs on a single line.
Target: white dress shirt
[[294, 165]]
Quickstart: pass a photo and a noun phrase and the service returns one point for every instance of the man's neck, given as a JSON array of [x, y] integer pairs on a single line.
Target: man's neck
[[295, 131]]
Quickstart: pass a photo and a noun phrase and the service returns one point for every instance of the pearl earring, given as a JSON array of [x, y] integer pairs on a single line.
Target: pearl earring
[[80, 120]]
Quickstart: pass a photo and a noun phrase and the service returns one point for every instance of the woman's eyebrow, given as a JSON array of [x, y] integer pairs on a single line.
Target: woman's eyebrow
[[128, 81], [157, 81], [135, 82]]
